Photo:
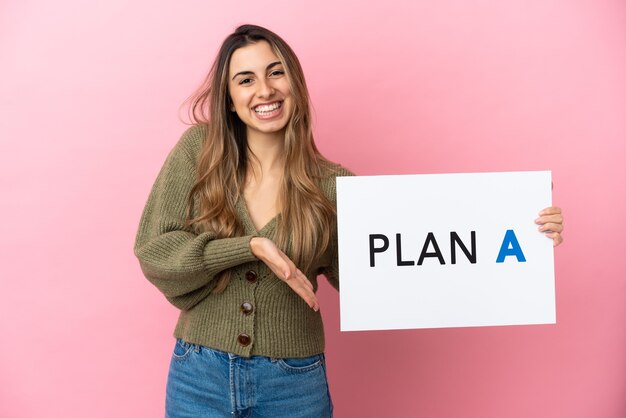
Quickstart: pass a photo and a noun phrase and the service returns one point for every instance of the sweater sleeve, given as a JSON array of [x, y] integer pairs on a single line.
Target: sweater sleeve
[[180, 263], [332, 270]]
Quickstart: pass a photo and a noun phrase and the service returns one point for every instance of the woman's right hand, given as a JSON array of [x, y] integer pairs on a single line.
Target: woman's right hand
[[265, 250]]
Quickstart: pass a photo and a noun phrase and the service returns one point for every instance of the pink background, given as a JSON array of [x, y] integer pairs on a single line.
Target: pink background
[[89, 95]]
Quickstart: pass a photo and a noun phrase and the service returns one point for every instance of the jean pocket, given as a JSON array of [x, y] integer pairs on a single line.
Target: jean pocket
[[182, 349], [301, 365]]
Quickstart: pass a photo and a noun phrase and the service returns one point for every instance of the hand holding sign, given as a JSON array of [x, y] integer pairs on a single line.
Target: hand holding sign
[[551, 221]]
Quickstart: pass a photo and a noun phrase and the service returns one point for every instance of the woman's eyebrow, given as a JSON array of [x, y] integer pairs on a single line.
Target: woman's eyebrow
[[270, 66], [274, 64], [242, 73]]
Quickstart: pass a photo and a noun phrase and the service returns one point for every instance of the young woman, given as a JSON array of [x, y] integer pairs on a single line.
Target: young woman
[[238, 225]]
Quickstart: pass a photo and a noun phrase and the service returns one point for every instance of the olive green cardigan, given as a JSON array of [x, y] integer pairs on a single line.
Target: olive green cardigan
[[257, 314]]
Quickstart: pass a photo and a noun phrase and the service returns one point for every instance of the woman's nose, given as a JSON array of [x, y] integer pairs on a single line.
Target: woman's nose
[[265, 89]]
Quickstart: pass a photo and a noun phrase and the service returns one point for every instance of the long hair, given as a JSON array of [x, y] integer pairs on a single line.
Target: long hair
[[306, 215]]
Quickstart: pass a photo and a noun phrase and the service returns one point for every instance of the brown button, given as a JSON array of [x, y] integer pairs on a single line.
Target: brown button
[[251, 276], [244, 339], [246, 308]]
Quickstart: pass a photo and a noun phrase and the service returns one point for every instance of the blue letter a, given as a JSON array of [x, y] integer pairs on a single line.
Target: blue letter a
[[510, 246]]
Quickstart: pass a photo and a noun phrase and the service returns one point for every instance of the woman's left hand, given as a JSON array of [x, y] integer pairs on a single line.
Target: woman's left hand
[[550, 222]]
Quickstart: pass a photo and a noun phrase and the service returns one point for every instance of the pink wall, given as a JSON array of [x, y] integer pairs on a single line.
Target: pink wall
[[89, 94]]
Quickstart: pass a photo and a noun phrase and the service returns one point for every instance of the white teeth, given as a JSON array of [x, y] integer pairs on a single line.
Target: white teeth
[[267, 108]]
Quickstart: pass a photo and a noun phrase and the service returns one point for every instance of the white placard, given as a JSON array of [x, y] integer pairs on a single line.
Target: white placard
[[406, 258]]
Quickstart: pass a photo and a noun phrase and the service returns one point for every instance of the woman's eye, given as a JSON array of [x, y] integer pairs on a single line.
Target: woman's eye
[[245, 81], [276, 73]]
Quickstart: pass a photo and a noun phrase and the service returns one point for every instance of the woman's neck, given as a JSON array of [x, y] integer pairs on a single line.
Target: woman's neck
[[268, 152]]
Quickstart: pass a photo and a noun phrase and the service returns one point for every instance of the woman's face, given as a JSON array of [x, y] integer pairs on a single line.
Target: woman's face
[[259, 89]]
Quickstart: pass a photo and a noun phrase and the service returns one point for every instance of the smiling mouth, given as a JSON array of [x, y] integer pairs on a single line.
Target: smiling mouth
[[267, 109]]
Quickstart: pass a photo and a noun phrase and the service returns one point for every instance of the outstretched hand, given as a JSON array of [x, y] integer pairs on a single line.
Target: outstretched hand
[[265, 250], [550, 222]]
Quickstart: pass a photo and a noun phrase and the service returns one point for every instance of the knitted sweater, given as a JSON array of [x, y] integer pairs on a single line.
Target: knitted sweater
[[257, 314]]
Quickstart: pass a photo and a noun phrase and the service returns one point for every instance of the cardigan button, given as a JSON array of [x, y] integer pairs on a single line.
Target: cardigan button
[[244, 339], [251, 276], [246, 308]]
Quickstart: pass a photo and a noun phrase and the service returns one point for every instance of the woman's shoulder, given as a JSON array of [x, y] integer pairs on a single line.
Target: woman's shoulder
[[331, 170], [328, 181], [191, 141]]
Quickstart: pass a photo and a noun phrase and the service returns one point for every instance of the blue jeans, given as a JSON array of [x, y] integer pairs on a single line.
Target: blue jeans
[[203, 382]]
